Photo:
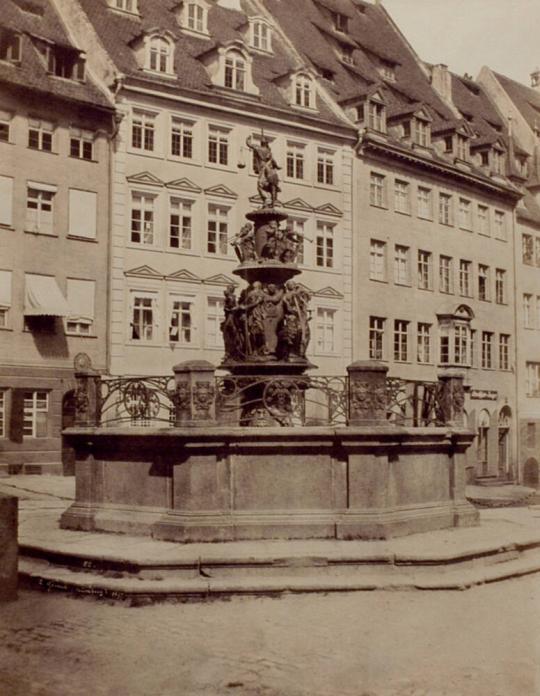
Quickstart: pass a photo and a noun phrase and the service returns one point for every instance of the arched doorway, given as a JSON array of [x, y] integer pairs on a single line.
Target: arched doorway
[[505, 419], [482, 439], [530, 473]]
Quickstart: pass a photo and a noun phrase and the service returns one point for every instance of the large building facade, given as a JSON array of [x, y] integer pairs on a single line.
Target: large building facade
[[54, 170], [401, 176]]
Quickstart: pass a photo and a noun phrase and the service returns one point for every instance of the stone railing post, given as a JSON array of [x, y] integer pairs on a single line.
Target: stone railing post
[[87, 398], [368, 399], [451, 398], [195, 397]]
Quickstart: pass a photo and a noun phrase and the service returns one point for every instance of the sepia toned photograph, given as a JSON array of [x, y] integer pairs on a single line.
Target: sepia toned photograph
[[269, 348]]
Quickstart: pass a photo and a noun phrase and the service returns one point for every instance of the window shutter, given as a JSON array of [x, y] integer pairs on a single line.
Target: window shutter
[[6, 200], [17, 415], [82, 213]]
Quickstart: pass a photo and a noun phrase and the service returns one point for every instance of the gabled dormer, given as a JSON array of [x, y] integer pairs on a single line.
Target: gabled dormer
[[155, 52], [490, 155], [260, 34], [369, 110], [387, 70], [10, 46], [230, 66], [412, 125], [193, 16], [453, 139], [300, 88], [129, 6]]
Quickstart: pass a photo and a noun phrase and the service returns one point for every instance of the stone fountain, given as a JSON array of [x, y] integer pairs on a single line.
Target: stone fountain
[[196, 457]]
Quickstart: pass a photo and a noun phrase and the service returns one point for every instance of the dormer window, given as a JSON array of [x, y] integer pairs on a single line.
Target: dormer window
[[303, 91], [347, 55], [235, 71], [497, 161], [376, 116], [125, 5], [421, 132], [341, 23], [196, 17], [62, 62], [462, 147], [159, 55], [388, 72], [10, 47], [261, 35]]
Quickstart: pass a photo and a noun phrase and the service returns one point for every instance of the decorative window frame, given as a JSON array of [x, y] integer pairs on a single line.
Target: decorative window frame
[[113, 5], [146, 58], [461, 317], [183, 17], [260, 21], [215, 63]]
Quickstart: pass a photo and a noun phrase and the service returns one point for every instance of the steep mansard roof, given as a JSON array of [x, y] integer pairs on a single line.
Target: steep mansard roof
[[526, 99], [119, 31], [33, 20]]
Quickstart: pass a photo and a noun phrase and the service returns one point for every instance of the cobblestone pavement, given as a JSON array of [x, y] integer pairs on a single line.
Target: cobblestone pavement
[[483, 642]]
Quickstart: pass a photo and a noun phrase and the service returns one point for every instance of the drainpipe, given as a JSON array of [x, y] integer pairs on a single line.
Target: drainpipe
[[517, 370]]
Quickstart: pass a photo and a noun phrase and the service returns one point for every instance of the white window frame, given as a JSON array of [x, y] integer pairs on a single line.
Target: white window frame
[[213, 319], [42, 198], [219, 145], [425, 270], [5, 126], [81, 144], [487, 350], [143, 130], [377, 260], [465, 277], [76, 324], [182, 208], [504, 352], [527, 310], [484, 283], [500, 286], [377, 190], [296, 161], [533, 379], [298, 225], [44, 133], [482, 217], [326, 166], [181, 334], [147, 227], [261, 35], [377, 328], [303, 92], [401, 346], [218, 234], [423, 343], [129, 6], [39, 428], [424, 203], [402, 197], [499, 225], [6, 300], [159, 54], [465, 214], [235, 72], [446, 274], [182, 135], [402, 265], [153, 307], [326, 328], [325, 245], [445, 209], [196, 18]]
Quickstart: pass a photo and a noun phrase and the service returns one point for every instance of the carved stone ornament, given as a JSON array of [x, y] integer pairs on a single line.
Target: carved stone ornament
[[204, 395], [82, 362], [367, 398], [182, 396]]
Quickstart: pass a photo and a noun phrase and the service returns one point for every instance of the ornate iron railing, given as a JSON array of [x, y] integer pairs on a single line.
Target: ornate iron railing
[[137, 401], [254, 400]]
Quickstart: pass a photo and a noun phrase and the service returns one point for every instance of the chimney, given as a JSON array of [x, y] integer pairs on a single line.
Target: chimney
[[441, 81], [230, 5], [535, 79]]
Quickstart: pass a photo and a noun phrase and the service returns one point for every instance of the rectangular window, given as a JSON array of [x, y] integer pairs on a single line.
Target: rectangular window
[[214, 317], [377, 190], [483, 282], [142, 219], [195, 17], [39, 211], [218, 230], [80, 298], [81, 144], [444, 344], [445, 209], [181, 321], [533, 379], [425, 270], [36, 409], [527, 311], [421, 132], [504, 352], [402, 203], [375, 116], [423, 343], [143, 318], [182, 138], [377, 260], [143, 131], [500, 286], [218, 146], [446, 273], [527, 249], [40, 135], [531, 435], [401, 340], [376, 338], [482, 218], [295, 160], [424, 203], [461, 344], [82, 214], [465, 214], [326, 329], [499, 222], [325, 167], [180, 224], [401, 265], [5, 298], [325, 245], [487, 349], [465, 278], [5, 124], [6, 200], [462, 148], [297, 225]]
